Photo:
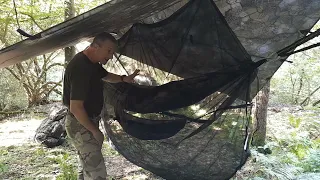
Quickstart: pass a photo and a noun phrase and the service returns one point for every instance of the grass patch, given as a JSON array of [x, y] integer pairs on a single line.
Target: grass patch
[[36, 162]]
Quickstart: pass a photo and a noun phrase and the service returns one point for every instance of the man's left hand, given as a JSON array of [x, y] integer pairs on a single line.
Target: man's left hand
[[130, 78]]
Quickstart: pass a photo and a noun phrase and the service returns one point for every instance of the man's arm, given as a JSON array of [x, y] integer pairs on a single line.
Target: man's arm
[[77, 109], [114, 78]]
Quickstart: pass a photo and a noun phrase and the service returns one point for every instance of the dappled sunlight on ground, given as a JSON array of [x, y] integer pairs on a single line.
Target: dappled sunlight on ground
[[22, 157], [18, 131]]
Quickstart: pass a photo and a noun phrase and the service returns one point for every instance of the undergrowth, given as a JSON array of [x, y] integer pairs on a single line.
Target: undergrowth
[[295, 151]]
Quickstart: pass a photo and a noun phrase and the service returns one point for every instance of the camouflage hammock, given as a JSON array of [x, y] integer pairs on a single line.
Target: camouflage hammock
[[161, 128]]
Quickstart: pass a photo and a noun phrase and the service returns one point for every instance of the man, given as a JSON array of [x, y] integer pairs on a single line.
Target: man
[[83, 95]]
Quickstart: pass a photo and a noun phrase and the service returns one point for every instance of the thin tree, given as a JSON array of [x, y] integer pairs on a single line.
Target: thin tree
[[259, 114]]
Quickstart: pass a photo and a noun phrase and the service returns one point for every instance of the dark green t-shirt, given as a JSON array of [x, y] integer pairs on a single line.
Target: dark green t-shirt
[[82, 81]]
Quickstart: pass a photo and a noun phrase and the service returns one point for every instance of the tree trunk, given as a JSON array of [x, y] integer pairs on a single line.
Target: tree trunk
[[259, 115], [69, 52], [300, 88]]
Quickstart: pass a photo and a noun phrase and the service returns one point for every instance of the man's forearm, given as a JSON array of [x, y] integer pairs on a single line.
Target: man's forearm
[[113, 78], [82, 116]]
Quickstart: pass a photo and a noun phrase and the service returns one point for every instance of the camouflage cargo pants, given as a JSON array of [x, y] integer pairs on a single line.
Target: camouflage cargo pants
[[89, 150]]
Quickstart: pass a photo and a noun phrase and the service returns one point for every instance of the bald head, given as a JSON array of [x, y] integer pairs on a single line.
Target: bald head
[[102, 37], [102, 48]]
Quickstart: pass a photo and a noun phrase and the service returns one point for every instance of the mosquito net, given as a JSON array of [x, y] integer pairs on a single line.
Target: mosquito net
[[195, 124]]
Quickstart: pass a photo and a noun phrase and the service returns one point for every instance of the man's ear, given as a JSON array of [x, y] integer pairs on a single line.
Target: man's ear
[[109, 50], [94, 45]]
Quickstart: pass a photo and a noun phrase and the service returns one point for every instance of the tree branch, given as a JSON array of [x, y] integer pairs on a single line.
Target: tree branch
[[54, 64], [316, 103], [3, 39], [52, 89], [50, 58], [300, 86], [27, 89], [20, 69], [57, 91], [32, 18], [44, 86], [37, 67], [13, 73], [314, 91], [51, 82]]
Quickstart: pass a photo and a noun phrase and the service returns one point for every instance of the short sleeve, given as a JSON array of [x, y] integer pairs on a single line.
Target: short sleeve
[[80, 83]]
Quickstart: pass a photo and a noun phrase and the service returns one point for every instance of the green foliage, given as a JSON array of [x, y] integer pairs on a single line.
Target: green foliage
[[39, 152], [40, 75], [68, 170], [294, 122], [298, 148], [82, 6], [270, 167], [37, 162], [11, 93], [297, 142], [298, 83], [312, 162], [295, 148], [35, 16], [3, 167], [316, 143]]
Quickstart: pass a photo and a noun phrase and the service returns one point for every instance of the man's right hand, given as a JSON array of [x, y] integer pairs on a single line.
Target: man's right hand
[[98, 136], [77, 109]]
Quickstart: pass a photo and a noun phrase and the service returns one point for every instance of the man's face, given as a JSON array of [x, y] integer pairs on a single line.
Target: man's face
[[105, 51]]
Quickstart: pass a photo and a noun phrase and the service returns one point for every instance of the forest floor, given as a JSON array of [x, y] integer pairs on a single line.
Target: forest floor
[[293, 136]]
